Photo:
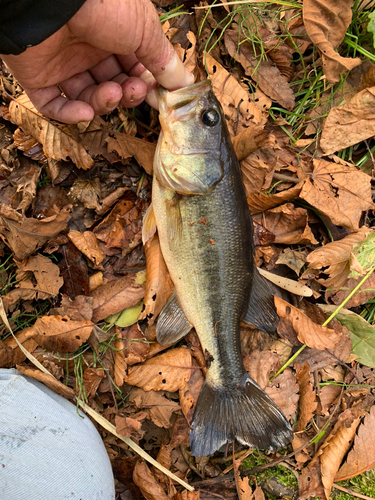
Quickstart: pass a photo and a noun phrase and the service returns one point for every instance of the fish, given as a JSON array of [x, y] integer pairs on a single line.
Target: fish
[[204, 226]]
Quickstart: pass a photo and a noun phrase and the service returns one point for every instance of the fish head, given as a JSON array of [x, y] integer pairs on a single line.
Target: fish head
[[188, 158]]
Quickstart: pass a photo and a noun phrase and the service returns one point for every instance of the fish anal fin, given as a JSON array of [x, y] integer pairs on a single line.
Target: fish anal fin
[[243, 412], [172, 323], [149, 225], [261, 311]]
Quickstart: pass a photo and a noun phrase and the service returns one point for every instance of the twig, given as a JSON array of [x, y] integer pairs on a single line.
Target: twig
[[351, 492], [287, 178]]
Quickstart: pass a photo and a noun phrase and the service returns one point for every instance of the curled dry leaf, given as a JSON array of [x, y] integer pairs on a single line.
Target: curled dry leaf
[[259, 202], [127, 146], [340, 192], [362, 456], [334, 258], [147, 483], [159, 285], [120, 366], [249, 140], [326, 24], [350, 123], [264, 73], [115, 296], [289, 224], [329, 456], [58, 141], [168, 372], [308, 332], [190, 392], [59, 333], [91, 381], [47, 275], [307, 396], [25, 236], [87, 244], [48, 381]]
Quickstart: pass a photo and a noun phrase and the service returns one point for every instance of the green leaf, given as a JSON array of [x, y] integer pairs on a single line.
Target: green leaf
[[361, 332], [364, 251], [371, 25], [127, 317]]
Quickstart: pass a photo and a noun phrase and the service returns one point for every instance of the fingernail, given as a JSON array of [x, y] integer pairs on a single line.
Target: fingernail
[[147, 77], [175, 75], [152, 98]]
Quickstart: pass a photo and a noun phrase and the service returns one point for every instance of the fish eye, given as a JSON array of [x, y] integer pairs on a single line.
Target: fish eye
[[210, 117]]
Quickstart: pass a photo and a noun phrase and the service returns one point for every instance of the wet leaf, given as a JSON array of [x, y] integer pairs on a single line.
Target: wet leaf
[[58, 141], [59, 333], [159, 285], [168, 371], [25, 236], [127, 146], [340, 192], [331, 453], [362, 456], [326, 24], [264, 73], [308, 332], [350, 123], [115, 296]]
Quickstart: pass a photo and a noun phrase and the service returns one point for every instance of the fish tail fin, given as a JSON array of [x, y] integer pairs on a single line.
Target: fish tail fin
[[243, 412]]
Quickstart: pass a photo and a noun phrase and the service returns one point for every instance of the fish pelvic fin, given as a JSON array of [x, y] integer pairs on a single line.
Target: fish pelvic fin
[[244, 413], [261, 311], [172, 324]]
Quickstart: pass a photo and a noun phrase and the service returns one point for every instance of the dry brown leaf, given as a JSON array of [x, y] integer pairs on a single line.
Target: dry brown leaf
[[47, 380], [79, 309], [258, 168], [147, 483], [307, 396], [58, 141], [350, 123], [362, 456], [47, 275], [115, 296], [365, 293], [328, 396], [264, 73], [119, 367], [91, 380], [295, 259], [241, 108], [160, 408], [29, 146], [249, 140], [289, 224], [243, 487], [283, 390], [340, 192], [25, 178], [334, 258], [126, 426], [190, 392], [159, 285], [25, 236], [260, 365], [188, 495], [167, 372], [309, 333], [259, 202], [59, 333], [326, 24], [87, 244], [86, 191], [136, 345], [127, 146], [329, 456]]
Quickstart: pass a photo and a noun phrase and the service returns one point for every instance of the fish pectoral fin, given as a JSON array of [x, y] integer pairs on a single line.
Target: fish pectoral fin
[[243, 412], [261, 311], [174, 223], [172, 323], [149, 225]]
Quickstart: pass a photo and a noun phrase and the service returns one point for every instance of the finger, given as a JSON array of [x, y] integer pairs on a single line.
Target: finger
[[134, 92], [103, 98], [74, 86], [107, 69], [52, 104]]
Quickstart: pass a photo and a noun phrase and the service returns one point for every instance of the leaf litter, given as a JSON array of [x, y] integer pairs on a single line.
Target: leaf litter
[[82, 294]]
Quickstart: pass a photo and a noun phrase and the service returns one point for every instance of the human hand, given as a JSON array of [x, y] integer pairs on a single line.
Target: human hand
[[110, 52]]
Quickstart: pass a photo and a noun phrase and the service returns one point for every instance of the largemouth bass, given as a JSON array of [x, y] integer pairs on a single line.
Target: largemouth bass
[[205, 233]]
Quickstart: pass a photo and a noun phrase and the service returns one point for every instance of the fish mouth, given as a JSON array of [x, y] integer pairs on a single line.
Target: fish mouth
[[171, 100]]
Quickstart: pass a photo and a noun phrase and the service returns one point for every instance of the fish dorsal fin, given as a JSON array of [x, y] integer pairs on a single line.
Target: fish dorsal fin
[[172, 323], [149, 225], [261, 311]]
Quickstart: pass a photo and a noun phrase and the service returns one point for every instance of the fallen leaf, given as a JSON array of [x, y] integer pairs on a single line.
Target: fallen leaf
[[262, 236], [289, 224], [74, 271], [362, 456], [115, 296], [309, 333], [79, 309], [243, 487], [261, 201], [328, 396], [87, 191], [283, 390], [47, 275], [147, 483], [25, 178], [191, 390], [119, 367], [159, 285], [126, 426], [58, 141], [87, 244], [30, 147], [350, 123], [160, 407], [260, 365], [59, 333], [127, 146], [307, 396], [47, 380], [340, 192], [168, 371], [365, 292], [295, 259], [188, 495], [264, 73], [135, 344], [326, 24], [91, 380], [334, 259], [249, 140], [25, 236], [331, 453]]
